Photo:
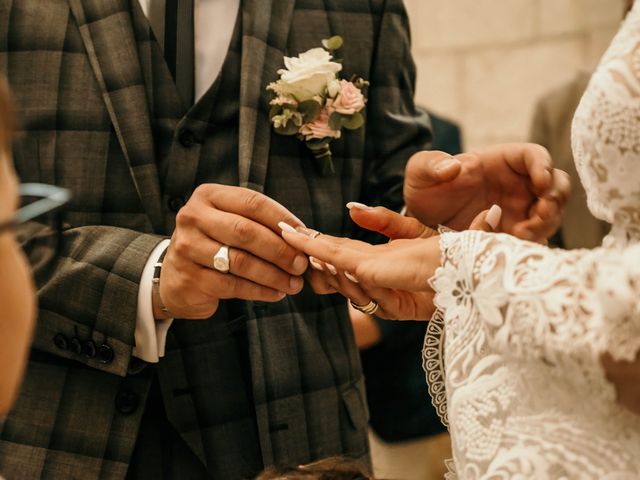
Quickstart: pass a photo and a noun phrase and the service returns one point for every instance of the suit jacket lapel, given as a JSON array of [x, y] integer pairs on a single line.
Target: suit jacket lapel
[[108, 37], [265, 29]]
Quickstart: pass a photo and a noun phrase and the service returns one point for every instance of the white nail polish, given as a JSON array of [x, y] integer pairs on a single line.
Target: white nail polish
[[315, 264], [332, 269], [359, 205], [493, 216], [351, 277], [285, 227]]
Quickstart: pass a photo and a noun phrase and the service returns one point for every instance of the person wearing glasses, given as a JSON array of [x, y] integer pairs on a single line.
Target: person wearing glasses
[[17, 296]]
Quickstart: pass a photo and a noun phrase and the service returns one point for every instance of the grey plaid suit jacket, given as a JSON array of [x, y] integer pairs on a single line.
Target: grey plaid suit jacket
[[80, 74]]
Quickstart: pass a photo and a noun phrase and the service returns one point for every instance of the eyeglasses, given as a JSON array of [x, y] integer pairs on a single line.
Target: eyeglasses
[[37, 200], [42, 205]]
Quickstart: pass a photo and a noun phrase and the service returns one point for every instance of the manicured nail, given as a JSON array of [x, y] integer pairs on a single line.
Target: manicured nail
[[316, 264], [493, 216], [296, 283], [351, 277], [300, 263], [359, 205], [445, 164], [332, 269], [285, 227]]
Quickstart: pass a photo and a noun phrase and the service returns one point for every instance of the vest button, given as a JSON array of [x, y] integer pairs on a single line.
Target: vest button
[[89, 349], [61, 341], [187, 139], [75, 346], [176, 203], [105, 353], [126, 402]]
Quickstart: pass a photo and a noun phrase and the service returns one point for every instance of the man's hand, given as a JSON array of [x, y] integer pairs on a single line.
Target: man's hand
[[519, 177], [263, 267]]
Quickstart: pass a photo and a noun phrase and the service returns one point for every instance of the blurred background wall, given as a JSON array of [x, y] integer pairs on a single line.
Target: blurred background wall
[[484, 63]]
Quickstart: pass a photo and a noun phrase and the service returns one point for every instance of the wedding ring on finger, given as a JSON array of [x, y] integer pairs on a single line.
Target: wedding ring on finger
[[370, 308], [315, 234], [221, 261]]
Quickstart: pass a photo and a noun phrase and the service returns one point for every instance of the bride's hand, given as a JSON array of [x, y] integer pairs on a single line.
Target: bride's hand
[[394, 276]]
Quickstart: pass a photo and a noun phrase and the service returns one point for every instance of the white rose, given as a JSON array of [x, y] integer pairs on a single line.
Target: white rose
[[308, 75]]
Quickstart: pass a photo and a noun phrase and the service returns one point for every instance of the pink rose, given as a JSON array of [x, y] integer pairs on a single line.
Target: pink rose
[[350, 100], [319, 128]]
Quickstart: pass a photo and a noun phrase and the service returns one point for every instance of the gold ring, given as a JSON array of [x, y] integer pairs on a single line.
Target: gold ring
[[370, 308], [315, 235]]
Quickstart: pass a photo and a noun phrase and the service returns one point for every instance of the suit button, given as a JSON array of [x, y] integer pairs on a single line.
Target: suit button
[[75, 346], [89, 349], [176, 203], [187, 139], [105, 353], [61, 341], [126, 402]]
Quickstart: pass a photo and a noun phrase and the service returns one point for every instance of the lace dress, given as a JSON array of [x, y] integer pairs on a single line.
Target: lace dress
[[512, 354]]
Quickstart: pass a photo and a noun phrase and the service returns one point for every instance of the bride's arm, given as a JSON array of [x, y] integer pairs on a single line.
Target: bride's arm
[[579, 306]]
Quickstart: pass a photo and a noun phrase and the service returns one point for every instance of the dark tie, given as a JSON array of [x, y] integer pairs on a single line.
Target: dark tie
[[179, 46]]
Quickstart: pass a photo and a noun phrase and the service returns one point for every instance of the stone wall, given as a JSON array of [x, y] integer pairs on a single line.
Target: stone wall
[[484, 63]]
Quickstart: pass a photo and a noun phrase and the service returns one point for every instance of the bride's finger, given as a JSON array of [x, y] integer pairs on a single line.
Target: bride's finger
[[390, 224], [344, 254], [320, 282], [487, 221]]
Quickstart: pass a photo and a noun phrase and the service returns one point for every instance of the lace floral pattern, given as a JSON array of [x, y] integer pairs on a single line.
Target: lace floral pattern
[[520, 328]]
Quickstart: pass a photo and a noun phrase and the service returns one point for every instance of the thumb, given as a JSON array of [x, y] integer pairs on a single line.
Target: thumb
[[428, 168], [487, 220], [390, 224]]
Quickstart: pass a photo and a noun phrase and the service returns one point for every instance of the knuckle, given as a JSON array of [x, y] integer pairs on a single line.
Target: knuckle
[[203, 190], [186, 217], [285, 252], [240, 261], [229, 285], [180, 246], [243, 231], [254, 201]]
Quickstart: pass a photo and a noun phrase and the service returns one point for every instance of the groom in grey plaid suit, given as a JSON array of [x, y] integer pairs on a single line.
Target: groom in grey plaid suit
[[260, 382]]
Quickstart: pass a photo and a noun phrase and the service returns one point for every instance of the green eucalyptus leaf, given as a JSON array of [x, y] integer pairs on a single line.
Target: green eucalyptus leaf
[[333, 43], [275, 110], [310, 109], [353, 122], [289, 129], [335, 121], [318, 147]]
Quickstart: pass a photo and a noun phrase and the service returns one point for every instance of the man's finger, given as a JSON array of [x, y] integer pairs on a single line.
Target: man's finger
[[201, 250], [432, 167], [245, 234], [527, 159], [253, 205], [388, 223]]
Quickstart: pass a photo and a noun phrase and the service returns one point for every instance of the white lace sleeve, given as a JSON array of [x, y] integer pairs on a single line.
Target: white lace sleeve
[[518, 373], [532, 301]]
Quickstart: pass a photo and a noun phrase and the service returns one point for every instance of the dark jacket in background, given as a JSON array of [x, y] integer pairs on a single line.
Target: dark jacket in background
[[399, 402]]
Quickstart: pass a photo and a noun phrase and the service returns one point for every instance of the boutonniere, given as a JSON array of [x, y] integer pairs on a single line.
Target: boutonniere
[[314, 103]]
